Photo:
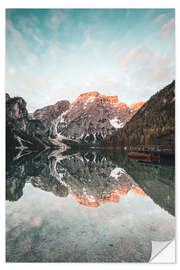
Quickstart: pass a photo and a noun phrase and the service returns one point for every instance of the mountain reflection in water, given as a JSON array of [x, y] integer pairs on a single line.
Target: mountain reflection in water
[[120, 227]]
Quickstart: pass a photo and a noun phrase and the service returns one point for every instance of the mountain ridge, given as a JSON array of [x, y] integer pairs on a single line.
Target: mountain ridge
[[91, 117]]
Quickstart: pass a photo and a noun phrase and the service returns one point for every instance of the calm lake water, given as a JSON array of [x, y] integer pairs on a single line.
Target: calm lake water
[[87, 207]]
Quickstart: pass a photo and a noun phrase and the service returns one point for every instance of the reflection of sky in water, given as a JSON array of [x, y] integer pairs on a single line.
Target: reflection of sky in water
[[43, 227]]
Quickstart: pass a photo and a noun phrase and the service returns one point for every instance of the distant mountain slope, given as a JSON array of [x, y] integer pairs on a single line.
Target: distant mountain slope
[[47, 114], [154, 123], [91, 117]]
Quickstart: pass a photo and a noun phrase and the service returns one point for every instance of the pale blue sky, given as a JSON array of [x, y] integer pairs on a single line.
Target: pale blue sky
[[54, 54]]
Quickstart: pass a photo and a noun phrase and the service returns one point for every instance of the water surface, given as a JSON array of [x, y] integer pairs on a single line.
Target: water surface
[[86, 207]]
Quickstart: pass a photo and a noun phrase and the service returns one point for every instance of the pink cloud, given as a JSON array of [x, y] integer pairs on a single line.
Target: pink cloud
[[146, 66], [159, 18], [167, 29], [141, 56], [12, 71], [135, 56], [163, 74]]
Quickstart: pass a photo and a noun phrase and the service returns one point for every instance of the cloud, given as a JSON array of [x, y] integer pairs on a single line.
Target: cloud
[[102, 83], [12, 71], [37, 39], [32, 59], [140, 56], [147, 70], [159, 18], [88, 40], [77, 49], [56, 18], [30, 25], [167, 29], [41, 79], [34, 88], [54, 51], [163, 74], [26, 23], [14, 31], [91, 42], [152, 76]]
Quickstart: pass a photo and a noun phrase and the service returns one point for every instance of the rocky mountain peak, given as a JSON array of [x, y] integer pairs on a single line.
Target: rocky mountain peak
[[95, 95], [122, 106], [90, 118], [136, 106], [16, 112], [48, 113]]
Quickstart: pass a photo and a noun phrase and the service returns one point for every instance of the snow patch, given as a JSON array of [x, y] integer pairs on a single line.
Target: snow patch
[[90, 99], [89, 197], [117, 172], [61, 120], [116, 123]]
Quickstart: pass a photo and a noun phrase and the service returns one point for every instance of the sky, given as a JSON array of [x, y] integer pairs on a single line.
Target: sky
[[57, 54]]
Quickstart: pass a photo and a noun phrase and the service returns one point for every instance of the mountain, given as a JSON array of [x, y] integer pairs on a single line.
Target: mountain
[[85, 122], [90, 118], [16, 112], [49, 113], [153, 124], [136, 106], [22, 133]]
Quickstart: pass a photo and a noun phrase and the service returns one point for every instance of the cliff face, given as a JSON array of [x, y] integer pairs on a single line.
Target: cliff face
[[29, 132], [16, 112], [95, 94], [153, 124], [22, 134], [49, 113], [91, 117]]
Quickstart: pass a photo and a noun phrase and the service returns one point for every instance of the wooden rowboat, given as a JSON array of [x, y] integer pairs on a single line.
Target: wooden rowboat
[[138, 155], [144, 156]]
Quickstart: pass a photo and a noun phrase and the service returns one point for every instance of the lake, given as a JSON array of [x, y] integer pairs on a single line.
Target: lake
[[87, 207]]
